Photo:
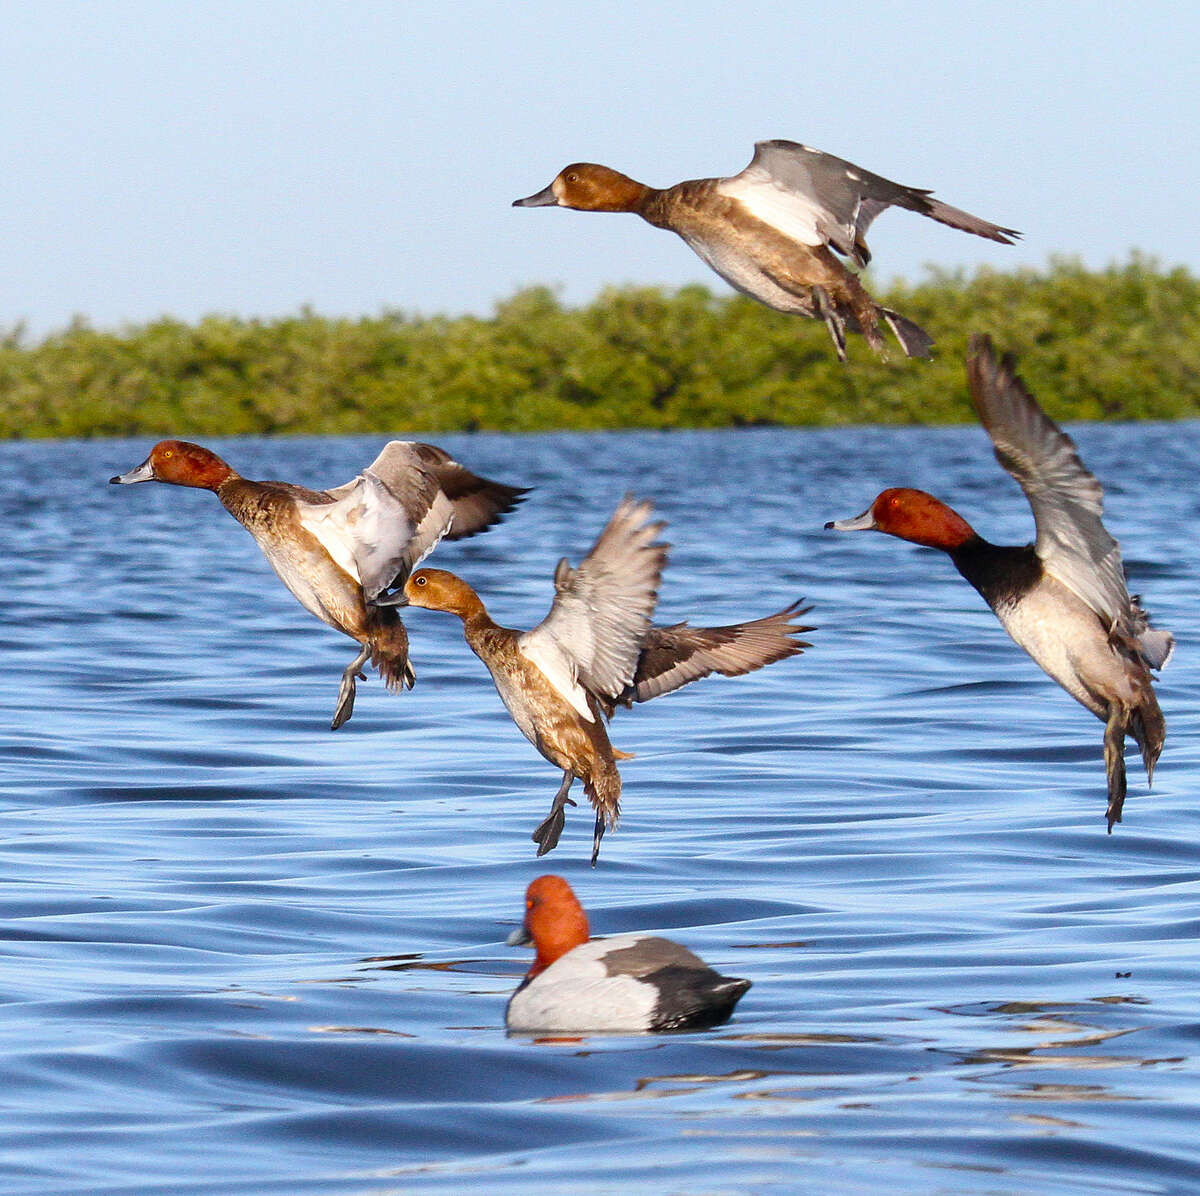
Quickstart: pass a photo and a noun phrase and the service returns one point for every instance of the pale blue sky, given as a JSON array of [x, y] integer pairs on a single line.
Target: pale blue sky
[[252, 157]]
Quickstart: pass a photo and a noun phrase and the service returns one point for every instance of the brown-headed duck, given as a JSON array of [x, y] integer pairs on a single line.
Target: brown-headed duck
[[1063, 598], [596, 649], [771, 231], [341, 550], [628, 983]]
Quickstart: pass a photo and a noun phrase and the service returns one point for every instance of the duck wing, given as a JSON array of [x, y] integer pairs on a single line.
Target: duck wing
[[593, 634], [478, 503], [675, 656], [391, 517], [1067, 500], [846, 198], [377, 528]]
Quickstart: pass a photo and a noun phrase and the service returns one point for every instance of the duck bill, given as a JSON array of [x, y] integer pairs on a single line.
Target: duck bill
[[143, 473], [520, 937], [543, 199], [383, 598], [860, 523]]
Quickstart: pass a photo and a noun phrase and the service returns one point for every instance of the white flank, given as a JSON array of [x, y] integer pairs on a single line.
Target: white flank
[[795, 216]]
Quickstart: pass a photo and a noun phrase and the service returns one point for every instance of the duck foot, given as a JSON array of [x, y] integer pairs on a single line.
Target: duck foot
[[345, 700], [1114, 763], [834, 322], [596, 837], [548, 831]]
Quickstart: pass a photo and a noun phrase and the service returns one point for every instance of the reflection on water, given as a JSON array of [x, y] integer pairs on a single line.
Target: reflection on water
[[240, 953]]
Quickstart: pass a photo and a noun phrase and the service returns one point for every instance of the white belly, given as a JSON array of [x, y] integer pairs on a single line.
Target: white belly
[[1066, 640]]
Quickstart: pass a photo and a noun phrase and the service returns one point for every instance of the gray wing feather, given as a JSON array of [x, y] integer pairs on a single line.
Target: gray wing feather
[[1066, 498], [850, 197], [402, 505], [478, 502], [602, 609], [675, 656], [408, 468], [386, 536]]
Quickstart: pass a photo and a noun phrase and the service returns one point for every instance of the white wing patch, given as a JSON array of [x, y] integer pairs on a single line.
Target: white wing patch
[[794, 215], [369, 533], [556, 666]]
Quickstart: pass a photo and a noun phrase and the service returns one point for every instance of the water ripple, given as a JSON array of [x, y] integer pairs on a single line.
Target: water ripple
[[239, 953]]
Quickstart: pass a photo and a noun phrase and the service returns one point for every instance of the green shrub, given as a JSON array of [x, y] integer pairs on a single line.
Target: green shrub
[[1119, 343]]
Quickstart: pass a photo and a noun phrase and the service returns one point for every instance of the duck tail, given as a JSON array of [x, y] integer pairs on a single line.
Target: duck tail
[[914, 340], [389, 649], [620, 755], [603, 789]]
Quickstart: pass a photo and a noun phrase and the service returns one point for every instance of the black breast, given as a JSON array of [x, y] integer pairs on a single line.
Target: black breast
[[1001, 573]]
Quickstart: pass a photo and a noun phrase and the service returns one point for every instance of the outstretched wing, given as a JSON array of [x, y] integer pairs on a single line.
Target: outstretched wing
[[391, 517], [1067, 500], [675, 656], [593, 633], [478, 502], [840, 199], [379, 535]]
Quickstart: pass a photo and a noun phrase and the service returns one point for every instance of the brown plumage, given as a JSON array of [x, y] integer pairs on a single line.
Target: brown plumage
[[773, 230], [674, 656], [597, 649], [340, 551]]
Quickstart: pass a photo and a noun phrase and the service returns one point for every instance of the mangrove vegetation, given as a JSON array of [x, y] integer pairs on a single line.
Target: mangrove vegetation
[[1119, 343]]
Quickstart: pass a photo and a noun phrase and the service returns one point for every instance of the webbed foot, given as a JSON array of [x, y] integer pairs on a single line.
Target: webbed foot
[[345, 699], [834, 322], [547, 834], [1114, 764], [597, 835]]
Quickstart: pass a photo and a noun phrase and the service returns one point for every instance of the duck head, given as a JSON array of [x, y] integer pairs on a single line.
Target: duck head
[[911, 515], [554, 922], [178, 463], [588, 188], [436, 589]]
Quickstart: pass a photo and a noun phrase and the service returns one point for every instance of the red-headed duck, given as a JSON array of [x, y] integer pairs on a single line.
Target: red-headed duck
[[596, 649], [341, 550], [624, 984], [1063, 598], [770, 230]]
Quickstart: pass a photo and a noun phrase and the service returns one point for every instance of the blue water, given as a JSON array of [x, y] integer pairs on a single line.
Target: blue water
[[241, 954]]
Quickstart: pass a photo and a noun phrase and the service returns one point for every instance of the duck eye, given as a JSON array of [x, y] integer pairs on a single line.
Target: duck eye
[[572, 177], [418, 581]]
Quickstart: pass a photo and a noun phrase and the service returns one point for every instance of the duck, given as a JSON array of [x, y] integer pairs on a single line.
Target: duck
[[626, 984], [344, 552], [1063, 598], [595, 650], [774, 231]]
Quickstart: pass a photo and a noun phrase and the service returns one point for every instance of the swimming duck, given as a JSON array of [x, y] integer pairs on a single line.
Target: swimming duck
[[1063, 598], [596, 649], [769, 231], [628, 983], [341, 551]]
